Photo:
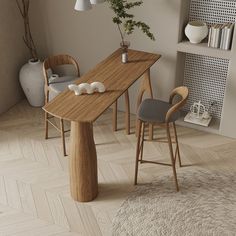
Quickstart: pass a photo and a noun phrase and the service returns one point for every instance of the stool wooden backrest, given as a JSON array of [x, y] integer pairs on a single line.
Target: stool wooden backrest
[[183, 93]]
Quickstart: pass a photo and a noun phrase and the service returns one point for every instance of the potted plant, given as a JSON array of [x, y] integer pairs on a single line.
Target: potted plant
[[31, 74], [126, 23]]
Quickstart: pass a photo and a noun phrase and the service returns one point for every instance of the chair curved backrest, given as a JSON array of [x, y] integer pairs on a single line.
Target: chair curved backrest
[[181, 91], [59, 60], [54, 61]]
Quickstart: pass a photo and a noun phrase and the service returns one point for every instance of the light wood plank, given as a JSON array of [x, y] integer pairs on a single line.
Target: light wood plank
[[57, 213]]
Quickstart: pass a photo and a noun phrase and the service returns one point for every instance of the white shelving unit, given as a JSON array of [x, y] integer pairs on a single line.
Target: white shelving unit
[[222, 62]]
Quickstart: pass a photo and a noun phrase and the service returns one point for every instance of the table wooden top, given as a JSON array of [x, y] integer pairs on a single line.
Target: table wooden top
[[117, 78]]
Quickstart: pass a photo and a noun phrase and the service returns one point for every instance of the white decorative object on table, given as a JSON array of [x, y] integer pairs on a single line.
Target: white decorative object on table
[[98, 87], [196, 31], [87, 88]]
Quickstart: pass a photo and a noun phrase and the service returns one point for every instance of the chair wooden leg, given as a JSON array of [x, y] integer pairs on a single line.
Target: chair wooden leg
[[114, 116], [177, 145], [139, 124], [172, 156], [142, 141], [63, 136], [127, 113], [46, 115], [46, 125]]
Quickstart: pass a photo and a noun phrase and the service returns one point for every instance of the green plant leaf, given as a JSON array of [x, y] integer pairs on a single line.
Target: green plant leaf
[[126, 20]]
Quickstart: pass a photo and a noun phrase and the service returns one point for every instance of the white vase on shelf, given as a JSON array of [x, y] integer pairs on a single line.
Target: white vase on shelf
[[196, 31], [32, 82]]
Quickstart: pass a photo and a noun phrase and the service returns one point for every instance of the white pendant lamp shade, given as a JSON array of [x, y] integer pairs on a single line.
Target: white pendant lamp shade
[[96, 1], [83, 5]]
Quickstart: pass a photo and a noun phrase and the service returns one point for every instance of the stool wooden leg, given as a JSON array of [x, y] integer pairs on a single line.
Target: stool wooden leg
[[150, 134], [114, 116], [145, 87], [172, 155], [177, 145], [127, 112], [46, 125], [137, 151], [63, 136]]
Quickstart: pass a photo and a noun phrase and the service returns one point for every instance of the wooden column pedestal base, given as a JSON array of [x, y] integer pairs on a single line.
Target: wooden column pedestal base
[[83, 162]]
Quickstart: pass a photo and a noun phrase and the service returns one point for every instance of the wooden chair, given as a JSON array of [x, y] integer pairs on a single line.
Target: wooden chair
[[55, 86], [154, 111]]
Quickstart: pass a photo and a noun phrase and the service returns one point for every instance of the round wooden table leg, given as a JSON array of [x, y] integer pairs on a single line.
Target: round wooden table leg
[[83, 163]]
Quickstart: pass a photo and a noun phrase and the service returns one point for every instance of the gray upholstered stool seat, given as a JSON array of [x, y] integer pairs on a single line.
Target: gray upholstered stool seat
[[153, 110]]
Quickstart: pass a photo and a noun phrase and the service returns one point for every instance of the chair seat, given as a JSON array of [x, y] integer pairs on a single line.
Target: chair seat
[[56, 88], [154, 111]]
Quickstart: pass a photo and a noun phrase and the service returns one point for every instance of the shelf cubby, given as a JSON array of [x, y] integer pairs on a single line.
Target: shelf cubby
[[208, 72], [203, 49], [214, 126]]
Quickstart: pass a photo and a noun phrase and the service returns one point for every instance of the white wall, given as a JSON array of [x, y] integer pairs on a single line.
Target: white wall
[[13, 54], [91, 36]]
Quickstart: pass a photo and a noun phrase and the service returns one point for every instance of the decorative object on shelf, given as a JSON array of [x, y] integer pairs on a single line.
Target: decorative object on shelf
[[31, 74], [220, 36], [196, 31], [121, 18], [198, 115], [86, 88]]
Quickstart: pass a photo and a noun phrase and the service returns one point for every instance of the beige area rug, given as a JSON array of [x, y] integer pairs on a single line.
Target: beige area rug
[[205, 206]]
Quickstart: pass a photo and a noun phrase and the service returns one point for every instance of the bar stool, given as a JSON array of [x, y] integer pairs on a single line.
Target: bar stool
[[152, 111]]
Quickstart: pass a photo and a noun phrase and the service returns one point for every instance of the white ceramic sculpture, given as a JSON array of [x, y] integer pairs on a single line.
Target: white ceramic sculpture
[[198, 115], [87, 88], [196, 31]]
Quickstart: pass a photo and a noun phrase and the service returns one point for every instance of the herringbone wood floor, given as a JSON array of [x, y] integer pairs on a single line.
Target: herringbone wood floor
[[34, 183]]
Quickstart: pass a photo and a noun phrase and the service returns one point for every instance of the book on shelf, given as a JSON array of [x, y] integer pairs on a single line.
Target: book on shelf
[[220, 36]]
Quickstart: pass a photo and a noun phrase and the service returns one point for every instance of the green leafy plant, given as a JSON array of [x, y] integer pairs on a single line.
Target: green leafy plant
[[123, 19]]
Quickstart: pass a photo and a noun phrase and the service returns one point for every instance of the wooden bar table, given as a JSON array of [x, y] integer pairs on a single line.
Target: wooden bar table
[[83, 110]]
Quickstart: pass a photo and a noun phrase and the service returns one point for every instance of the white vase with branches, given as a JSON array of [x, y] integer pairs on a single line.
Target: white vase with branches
[[31, 74]]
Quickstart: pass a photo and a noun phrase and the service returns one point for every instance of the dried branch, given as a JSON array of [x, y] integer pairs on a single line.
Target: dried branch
[[19, 7], [27, 38]]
